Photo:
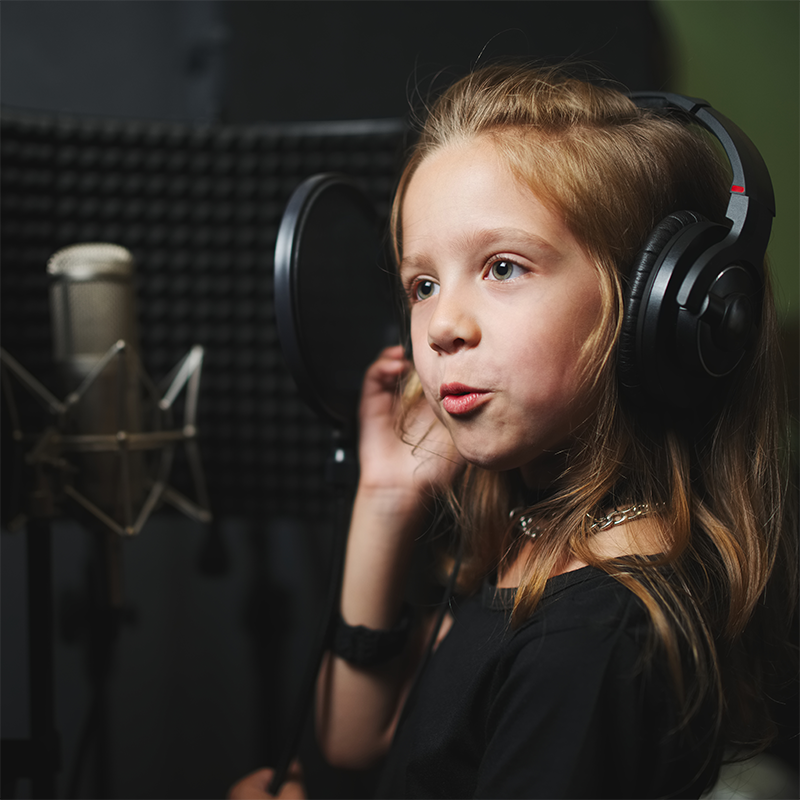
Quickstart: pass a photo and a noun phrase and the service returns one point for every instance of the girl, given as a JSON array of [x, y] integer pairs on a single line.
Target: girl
[[618, 564]]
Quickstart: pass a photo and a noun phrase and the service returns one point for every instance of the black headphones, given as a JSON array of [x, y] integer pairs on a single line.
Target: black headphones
[[694, 294]]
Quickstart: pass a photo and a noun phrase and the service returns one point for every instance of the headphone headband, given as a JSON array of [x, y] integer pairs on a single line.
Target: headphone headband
[[750, 175]]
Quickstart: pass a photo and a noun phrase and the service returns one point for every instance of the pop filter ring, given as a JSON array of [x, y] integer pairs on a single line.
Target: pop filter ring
[[296, 324]]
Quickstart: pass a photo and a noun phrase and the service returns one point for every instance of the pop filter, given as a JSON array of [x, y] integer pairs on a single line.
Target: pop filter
[[335, 312], [333, 299]]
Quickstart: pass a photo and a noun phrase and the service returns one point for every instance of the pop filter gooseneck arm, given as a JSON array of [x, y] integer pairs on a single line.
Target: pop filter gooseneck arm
[[334, 310]]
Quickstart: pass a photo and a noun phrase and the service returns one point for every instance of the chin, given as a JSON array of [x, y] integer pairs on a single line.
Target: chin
[[493, 461], [538, 463]]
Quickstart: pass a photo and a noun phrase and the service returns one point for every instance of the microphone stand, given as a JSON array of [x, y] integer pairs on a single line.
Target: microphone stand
[[104, 615], [45, 744], [39, 758]]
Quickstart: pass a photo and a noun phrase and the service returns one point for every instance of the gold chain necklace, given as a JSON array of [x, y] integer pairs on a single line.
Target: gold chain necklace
[[616, 517]]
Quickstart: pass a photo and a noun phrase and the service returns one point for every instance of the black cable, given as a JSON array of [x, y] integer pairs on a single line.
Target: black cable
[[308, 684], [89, 728]]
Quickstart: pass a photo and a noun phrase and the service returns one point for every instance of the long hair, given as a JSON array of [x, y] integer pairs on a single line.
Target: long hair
[[718, 476]]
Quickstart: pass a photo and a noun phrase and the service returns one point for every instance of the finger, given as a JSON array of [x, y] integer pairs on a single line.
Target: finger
[[385, 371], [255, 785], [394, 351], [391, 357], [252, 786]]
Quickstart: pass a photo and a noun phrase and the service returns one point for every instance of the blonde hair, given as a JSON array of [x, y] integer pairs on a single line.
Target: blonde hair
[[612, 171]]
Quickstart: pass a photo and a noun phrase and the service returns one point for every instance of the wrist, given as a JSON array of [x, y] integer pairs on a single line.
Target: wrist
[[371, 647], [384, 529], [392, 502]]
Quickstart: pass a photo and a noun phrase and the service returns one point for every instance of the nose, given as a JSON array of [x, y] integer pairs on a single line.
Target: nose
[[453, 325]]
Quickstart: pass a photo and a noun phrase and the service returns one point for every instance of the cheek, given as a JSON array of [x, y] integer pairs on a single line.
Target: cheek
[[420, 351], [548, 369], [429, 381], [418, 326], [430, 388]]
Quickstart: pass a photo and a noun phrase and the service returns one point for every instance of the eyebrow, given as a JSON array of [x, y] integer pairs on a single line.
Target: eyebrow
[[493, 238]]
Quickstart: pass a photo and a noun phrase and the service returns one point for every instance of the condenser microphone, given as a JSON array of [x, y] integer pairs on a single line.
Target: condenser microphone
[[95, 347]]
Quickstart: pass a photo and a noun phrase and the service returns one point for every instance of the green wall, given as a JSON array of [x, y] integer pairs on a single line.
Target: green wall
[[743, 56]]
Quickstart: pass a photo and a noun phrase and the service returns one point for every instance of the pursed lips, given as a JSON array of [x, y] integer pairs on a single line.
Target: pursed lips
[[458, 399]]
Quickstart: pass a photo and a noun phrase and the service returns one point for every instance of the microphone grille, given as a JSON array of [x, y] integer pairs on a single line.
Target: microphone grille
[[88, 261]]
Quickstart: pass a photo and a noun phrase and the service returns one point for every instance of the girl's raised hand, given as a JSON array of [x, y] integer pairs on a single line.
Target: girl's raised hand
[[357, 707], [424, 460]]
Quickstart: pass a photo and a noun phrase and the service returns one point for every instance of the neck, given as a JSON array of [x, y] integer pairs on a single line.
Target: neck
[[539, 475]]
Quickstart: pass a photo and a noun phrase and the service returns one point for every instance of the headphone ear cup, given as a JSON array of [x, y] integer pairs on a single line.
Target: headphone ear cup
[[629, 355]]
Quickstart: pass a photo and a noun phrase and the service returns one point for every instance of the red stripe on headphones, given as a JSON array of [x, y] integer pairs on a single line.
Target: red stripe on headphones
[[739, 189]]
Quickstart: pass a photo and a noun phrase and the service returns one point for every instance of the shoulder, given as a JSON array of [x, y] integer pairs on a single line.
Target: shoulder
[[586, 621], [582, 600], [588, 636]]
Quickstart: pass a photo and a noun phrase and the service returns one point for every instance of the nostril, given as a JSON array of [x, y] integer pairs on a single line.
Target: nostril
[[441, 347]]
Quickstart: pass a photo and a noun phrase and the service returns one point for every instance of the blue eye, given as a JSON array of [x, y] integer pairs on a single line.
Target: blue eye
[[504, 270], [425, 289]]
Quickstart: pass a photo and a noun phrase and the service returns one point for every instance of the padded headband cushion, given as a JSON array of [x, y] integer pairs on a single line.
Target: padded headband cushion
[[627, 360]]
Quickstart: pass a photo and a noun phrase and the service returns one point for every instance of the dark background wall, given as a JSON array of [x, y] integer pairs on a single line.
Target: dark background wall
[[204, 664], [412, 46], [162, 61], [280, 61]]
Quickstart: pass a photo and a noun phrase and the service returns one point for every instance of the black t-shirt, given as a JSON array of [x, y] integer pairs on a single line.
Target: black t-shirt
[[562, 706]]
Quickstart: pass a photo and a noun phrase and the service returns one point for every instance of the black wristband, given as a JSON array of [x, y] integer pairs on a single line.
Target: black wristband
[[367, 647]]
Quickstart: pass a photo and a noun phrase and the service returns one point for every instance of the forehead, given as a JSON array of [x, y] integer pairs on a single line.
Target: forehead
[[467, 193]]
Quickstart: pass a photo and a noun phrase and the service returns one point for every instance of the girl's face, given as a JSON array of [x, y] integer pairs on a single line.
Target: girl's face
[[502, 300]]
